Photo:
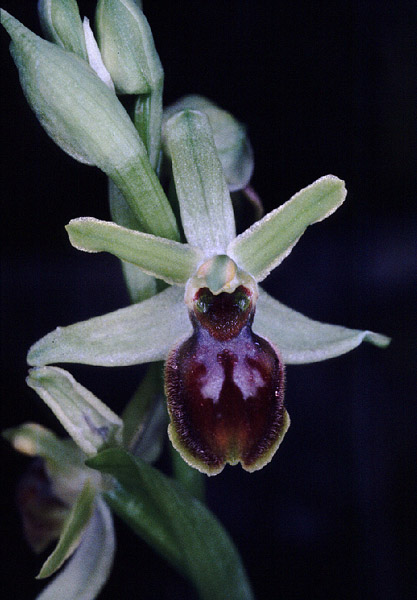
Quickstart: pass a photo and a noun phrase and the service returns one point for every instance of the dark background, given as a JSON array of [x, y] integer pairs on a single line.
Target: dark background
[[324, 87]]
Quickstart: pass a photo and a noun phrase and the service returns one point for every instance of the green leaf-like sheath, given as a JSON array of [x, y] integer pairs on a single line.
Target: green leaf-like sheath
[[205, 204], [171, 261], [176, 525], [140, 333], [88, 569], [75, 524], [89, 421], [267, 242], [302, 340]]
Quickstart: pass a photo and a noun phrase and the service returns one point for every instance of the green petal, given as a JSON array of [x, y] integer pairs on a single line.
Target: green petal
[[176, 525], [171, 261], [206, 208], [267, 242], [140, 333], [74, 526], [61, 24], [139, 285], [230, 138], [85, 118], [88, 569], [88, 421], [302, 340]]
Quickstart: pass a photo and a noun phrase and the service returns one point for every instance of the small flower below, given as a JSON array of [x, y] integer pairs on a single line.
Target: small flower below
[[59, 499]]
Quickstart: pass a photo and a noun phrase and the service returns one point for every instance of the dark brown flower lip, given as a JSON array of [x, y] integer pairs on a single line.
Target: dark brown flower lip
[[225, 388]]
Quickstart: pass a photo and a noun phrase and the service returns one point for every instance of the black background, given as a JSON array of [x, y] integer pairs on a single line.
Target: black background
[[324, 87]]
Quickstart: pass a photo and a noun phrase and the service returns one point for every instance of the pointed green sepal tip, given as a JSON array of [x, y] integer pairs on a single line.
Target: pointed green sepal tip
[[61, 24], [230, 138], [265, 244], [377, 339], [85, 118], [127, 47], [302, 340]]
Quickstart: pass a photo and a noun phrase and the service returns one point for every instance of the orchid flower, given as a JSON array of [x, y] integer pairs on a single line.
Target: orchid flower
[[224, 339], [60, 499]]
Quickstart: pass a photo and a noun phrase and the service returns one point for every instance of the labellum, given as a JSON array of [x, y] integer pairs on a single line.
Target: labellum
[[225, 385]]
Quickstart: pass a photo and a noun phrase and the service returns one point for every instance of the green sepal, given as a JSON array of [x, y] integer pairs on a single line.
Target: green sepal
[[74, 526], [85, 118], [300, 339], [230, 138], [89, 421], [61, 24], [176, 525], [88, 569], [165, 259], [205, 204], [144, 332], [267, 242]]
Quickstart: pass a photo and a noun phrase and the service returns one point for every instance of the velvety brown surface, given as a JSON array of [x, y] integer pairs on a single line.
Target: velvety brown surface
[[225, 384]]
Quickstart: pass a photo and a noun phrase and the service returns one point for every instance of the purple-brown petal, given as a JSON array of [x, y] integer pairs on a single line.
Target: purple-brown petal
[[225, 388]]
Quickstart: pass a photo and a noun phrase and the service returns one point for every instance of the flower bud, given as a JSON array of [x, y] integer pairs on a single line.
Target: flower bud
[[232, 143], [61, 24], [127, 47]]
